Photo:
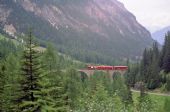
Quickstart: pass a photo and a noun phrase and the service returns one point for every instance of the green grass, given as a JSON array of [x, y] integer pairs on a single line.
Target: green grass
[[160, 100], [1, 37]]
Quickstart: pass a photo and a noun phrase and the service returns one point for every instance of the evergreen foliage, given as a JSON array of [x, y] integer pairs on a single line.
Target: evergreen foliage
[[154, 63], [73, 87], [42, 82], [50, 58], [31, 72], [7, 47], [148, 71], [166, 54], [167, 85], [55, 80], [2, 85], [11, 87]]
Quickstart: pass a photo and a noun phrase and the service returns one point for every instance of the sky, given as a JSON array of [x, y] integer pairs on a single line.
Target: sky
[[152, 14]]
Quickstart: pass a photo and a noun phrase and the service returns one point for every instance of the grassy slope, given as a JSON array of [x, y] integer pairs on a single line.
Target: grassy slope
[[66, 60], [158, 98], [1, 37]]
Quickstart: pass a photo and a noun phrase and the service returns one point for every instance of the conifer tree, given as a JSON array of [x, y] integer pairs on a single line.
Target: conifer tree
[[57, 91], [31, 71], [100, 97], [132, 75], [2, 84], [153, 68], [73, 87], [10, 92], [149, 69], [166, 55], [54, 81], [50, 59], [144, 65], [167, 85]]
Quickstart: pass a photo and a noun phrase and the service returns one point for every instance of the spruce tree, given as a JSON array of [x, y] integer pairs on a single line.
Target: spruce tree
[[31, 71], [166, 57], [50, 59], [54, 82], [57, 91], [132, 75], [167, 85], [149, 69], [73, 87], [2, 84], [10, 92], [153, 68], [144, 65]]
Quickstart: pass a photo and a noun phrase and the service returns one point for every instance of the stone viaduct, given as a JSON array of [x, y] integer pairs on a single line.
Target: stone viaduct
[[89, 73]]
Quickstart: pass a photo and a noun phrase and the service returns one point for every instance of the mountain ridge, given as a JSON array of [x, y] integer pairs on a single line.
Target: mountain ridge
[[160, 34], [90, 30]]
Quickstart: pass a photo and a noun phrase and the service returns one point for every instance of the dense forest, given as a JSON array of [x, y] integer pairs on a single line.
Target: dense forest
[[32, 80], [154, 68]]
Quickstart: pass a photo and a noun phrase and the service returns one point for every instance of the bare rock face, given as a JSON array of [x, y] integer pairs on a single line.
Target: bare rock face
[[103, 28], [4, 13], [108, 12], [10, 29]]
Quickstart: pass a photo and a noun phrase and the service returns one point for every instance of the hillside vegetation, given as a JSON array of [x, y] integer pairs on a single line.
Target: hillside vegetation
[[87, 30], [32, 81]]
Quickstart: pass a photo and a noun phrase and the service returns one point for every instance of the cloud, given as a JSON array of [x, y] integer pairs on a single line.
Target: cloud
[[153, 14]]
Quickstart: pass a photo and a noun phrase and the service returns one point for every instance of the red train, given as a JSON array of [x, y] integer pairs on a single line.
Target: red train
[[107, 67]]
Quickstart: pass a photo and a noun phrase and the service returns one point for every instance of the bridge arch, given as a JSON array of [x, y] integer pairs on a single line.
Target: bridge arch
[[110, 73]]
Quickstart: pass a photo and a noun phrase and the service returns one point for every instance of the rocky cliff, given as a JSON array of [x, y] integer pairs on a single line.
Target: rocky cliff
[[88, 30]]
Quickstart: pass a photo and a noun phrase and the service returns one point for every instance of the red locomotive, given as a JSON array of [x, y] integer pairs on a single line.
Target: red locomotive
[[107, 67]]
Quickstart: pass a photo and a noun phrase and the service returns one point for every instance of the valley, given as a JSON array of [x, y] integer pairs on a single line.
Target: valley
[[80, 56]]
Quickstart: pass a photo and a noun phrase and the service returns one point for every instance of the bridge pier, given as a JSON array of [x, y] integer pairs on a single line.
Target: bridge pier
[[89, 73]]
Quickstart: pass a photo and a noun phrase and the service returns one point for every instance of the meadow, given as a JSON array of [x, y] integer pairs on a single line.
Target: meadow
[[159, 101]]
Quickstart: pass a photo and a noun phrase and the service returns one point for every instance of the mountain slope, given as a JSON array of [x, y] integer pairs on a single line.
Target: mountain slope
[[88, 30], [160, 34]]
